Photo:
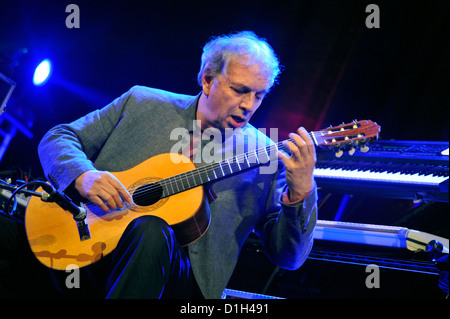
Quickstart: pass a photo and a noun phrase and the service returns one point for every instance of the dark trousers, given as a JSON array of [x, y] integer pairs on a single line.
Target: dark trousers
[[147, 263]]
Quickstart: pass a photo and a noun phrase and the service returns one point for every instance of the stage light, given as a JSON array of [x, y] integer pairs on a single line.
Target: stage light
[[42, 73]]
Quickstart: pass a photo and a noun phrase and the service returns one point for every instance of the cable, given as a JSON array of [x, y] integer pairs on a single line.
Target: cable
[[15, 192]]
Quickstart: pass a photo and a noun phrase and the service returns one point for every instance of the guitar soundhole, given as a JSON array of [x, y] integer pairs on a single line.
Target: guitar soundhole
[[148, 194]]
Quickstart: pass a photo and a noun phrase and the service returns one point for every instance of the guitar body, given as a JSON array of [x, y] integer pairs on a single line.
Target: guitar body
[[53, 235]]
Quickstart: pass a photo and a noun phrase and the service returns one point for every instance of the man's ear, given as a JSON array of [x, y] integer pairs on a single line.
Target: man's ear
[[207, 81]]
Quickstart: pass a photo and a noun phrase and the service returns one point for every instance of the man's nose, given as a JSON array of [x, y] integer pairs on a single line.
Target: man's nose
[[249, 103]]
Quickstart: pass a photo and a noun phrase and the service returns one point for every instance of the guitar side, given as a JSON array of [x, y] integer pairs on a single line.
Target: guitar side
[[53, 235]]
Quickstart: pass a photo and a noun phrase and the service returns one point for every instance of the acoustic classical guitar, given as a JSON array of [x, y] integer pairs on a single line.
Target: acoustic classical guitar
[[158, 187]]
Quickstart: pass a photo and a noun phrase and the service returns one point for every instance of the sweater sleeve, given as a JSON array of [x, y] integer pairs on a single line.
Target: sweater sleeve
[[288, 229], [68, 150]]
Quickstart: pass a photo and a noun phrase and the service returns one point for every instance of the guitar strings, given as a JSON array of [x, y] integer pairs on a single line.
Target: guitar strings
[[176, 182], [198, 171], [150, 190]]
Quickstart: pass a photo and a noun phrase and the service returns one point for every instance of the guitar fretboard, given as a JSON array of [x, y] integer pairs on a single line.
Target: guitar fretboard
[[215, 171], [210, 172], [343, 134]]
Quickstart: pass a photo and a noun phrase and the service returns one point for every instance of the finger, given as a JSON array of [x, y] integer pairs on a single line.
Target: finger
[[304, 143], [296, 146], [118, 191], [110, 197], [96, 200], [121, 190], [305, 135], [286, 159], [308, 140], [301, 146], [283, 157]]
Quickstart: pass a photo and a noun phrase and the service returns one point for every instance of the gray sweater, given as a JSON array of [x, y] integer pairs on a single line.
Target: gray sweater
[[137, 126]]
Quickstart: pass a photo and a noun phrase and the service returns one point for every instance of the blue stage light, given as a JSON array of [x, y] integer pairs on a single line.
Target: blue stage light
[[42, 73]]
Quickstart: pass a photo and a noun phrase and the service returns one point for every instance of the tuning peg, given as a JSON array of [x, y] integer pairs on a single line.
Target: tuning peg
[[338, 153], [352, 151], [364, 149]]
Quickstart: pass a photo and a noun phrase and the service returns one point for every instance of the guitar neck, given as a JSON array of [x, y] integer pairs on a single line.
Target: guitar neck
[[231, 166]]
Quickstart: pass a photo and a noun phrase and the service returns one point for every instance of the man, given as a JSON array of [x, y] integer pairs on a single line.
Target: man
[[237, 71]]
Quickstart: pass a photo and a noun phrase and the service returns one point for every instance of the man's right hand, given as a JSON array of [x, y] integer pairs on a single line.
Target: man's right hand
[[102, 189]]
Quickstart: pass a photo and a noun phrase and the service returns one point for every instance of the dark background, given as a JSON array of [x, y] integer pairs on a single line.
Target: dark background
[[335, 68]]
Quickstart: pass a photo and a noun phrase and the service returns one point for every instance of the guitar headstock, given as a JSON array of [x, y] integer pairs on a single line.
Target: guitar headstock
[[351, 136]]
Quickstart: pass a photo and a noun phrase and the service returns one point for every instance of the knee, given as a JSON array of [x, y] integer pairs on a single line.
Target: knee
[[148, 222], [152, 230]]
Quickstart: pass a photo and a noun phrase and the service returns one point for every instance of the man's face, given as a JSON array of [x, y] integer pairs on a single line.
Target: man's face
[[231, 99]]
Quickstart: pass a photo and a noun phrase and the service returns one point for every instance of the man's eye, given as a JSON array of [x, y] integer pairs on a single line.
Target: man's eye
[[238, 91]]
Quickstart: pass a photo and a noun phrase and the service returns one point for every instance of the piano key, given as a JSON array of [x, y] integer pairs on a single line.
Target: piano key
[[379, 175], [398, 169]]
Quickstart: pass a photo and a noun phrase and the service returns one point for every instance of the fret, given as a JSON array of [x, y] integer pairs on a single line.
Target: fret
[[313, 136], [185, 181], [218, 171], [209, 171], [165, 189], [175, 183], [197, 176], [273, 152], [246, 160], [214, 175], [267, 159], [180, 183], [228, 162], [225, 168], [250, 160], [170, 190], [206, 175], [190, 179], [239, 165], [256, 156], [235, 165], [171, 185], [201, 178]]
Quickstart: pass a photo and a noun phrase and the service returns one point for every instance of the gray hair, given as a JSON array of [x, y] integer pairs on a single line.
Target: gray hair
[[219, 51]]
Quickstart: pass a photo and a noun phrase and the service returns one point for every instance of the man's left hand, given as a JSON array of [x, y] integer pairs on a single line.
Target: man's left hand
[[300, 165]]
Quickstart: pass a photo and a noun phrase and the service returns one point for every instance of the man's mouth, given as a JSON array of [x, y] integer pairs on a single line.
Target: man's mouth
[[237, 121]]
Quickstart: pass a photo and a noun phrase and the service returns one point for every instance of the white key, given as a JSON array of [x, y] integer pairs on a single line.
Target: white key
[[379, 176]]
